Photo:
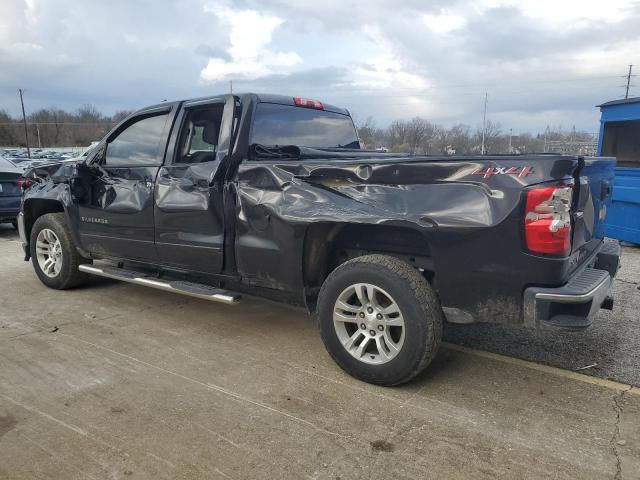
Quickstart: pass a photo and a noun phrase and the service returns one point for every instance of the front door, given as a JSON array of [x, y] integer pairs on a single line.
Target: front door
[[189, 211], [116, 220]]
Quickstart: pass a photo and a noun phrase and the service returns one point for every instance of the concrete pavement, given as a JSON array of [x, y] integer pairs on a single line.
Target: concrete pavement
[[118, 381]]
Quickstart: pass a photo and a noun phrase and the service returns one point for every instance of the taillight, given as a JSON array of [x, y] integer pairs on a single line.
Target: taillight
[[547, 221], [307, 102], [23, 183]]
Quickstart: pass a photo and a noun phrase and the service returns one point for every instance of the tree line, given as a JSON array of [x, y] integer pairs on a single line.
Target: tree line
[[53, 127], [421, 137]]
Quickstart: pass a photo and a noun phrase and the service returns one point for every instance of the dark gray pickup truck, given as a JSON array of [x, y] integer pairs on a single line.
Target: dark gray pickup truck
[[272, 196]]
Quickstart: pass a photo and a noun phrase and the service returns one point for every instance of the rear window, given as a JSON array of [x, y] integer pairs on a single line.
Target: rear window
[[307, 127], [4, 163]]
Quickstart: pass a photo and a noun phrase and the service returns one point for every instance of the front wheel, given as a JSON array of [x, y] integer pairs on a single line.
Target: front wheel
[[380, 319], [53, 253]]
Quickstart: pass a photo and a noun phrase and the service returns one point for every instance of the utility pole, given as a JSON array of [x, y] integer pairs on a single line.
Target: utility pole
[[38, 132], [510, 135], [626, 95], [24, 120], [484, 121], [546, 132]]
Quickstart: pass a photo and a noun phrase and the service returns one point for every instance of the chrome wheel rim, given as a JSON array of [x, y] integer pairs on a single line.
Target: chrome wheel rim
[[49, 252], [369, 323]]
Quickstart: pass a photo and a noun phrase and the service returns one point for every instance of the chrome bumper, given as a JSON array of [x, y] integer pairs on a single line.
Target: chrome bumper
[[575, 304]]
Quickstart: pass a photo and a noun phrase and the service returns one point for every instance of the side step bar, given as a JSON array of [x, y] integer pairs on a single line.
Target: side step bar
[[197, 290]]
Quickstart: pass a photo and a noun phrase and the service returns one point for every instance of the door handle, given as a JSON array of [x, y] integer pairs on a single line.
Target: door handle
[[605, 190]]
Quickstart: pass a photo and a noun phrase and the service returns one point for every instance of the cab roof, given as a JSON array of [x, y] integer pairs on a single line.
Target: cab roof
[[259, 97]]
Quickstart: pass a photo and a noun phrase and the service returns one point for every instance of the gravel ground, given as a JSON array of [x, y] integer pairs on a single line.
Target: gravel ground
[[611, 344]]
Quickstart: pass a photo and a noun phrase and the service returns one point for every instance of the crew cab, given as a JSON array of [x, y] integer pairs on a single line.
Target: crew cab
[[273, 196]]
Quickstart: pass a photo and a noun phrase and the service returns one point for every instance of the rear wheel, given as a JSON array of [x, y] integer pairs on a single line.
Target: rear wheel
[[53, 253], [379, 319]]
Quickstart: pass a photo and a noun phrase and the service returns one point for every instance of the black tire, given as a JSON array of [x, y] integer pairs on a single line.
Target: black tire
[[419, 306], [69, 276]]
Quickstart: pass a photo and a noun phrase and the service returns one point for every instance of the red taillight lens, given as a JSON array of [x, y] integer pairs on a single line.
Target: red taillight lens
[[307, 102], [23, 183], [547, 221]]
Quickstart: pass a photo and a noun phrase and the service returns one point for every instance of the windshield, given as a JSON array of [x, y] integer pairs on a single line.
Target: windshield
[[276, 124]]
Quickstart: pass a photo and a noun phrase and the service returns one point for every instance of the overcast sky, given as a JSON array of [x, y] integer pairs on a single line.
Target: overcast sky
[[541, 61]]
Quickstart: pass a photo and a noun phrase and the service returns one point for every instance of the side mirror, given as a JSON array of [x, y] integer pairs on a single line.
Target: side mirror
[[80, 181], [78, 189], [97, 155]]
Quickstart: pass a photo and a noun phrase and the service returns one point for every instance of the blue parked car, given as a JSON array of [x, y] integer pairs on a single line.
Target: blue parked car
[[11, 185]]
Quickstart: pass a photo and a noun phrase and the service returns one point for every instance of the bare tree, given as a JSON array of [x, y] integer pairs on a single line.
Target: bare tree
[[366, 131], [492, 134]]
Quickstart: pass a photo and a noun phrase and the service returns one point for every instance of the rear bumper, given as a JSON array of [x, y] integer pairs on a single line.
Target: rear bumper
[[575, 304], [9, 207]]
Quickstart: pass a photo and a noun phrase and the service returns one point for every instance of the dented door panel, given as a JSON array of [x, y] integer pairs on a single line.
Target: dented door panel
[[188, 215], [117, 219]]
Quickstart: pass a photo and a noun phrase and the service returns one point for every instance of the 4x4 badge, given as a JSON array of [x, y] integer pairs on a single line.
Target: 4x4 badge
[[491, 171]]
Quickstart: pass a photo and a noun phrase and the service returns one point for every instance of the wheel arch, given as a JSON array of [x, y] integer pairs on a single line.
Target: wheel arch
[[34, 208], [328, 245]]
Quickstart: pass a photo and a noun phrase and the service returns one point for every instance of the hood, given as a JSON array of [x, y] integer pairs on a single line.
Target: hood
[[54, 170]]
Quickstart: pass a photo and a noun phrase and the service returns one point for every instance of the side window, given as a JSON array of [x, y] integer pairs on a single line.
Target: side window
[[200, 134], [140, 144], [197, 142]]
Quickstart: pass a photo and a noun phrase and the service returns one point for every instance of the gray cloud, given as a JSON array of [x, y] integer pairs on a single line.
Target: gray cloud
[[124, 54]]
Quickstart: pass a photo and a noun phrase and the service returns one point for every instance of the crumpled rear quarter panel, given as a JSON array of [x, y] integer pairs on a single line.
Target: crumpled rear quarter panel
[[470, 224]]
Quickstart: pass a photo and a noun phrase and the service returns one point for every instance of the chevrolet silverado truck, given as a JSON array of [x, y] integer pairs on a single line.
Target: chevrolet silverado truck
[[273, 196]]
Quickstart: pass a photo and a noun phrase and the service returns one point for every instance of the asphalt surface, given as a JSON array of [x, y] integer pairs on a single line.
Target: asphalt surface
[[118, 381], [610, 348]]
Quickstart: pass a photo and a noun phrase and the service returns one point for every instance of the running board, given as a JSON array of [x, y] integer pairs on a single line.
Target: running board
[[197, 290]]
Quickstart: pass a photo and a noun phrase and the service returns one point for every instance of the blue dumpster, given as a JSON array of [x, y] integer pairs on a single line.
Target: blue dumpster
[[620, 138], [623, 219]]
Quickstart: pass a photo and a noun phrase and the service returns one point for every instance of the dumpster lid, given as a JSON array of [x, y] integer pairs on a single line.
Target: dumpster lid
[[622, 101]]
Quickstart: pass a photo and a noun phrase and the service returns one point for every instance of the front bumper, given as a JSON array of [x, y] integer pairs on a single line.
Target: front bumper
[[574, 304]]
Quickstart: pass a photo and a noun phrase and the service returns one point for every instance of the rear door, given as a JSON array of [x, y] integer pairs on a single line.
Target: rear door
[[189, 212], [117, 220]]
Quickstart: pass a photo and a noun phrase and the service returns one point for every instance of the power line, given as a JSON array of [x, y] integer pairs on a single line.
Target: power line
[[63, 123], [461, 85]]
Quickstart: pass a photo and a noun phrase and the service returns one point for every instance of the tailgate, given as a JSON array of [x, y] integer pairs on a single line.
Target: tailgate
[[594, 184]]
